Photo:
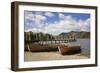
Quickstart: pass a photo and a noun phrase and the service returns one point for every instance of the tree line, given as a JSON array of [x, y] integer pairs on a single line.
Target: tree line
[[37, 36]]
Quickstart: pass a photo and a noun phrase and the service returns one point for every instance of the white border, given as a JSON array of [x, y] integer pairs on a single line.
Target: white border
[[23, 64]]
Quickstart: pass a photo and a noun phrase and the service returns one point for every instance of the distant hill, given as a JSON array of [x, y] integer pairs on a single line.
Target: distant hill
[[78, 34]]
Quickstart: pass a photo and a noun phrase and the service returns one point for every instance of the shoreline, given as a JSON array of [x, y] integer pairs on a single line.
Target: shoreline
[[47, 56]]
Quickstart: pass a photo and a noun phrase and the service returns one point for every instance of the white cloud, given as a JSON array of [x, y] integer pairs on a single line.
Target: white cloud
[[40, 18], [39, 13], [61, 16], [29, 19], [29, 15], [39, 21], [49, 14], [65, 24], [69, 18], [33, 21], [61, 26], [84, 25]]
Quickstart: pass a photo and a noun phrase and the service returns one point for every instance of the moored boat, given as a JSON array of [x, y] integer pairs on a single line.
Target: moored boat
[[65, 50]]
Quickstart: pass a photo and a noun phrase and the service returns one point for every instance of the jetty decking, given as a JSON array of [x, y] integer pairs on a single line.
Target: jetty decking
[[51, 41]]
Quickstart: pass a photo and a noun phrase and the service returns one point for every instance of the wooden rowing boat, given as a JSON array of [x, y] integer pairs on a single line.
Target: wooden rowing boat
[[65, 50]]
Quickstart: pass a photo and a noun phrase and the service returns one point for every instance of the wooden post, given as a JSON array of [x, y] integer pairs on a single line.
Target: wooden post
[[51, 39], [29, 37], [28, 48]]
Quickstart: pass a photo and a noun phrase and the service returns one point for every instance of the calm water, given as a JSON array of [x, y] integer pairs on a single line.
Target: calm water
[[85, 45]]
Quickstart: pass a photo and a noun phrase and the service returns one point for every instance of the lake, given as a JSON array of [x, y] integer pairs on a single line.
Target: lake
[[85, 45]]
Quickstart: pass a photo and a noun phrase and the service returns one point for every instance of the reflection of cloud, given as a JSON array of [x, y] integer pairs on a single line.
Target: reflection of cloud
[[38, 23]]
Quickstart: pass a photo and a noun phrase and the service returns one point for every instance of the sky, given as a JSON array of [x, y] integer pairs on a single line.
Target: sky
[[55, 22]]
